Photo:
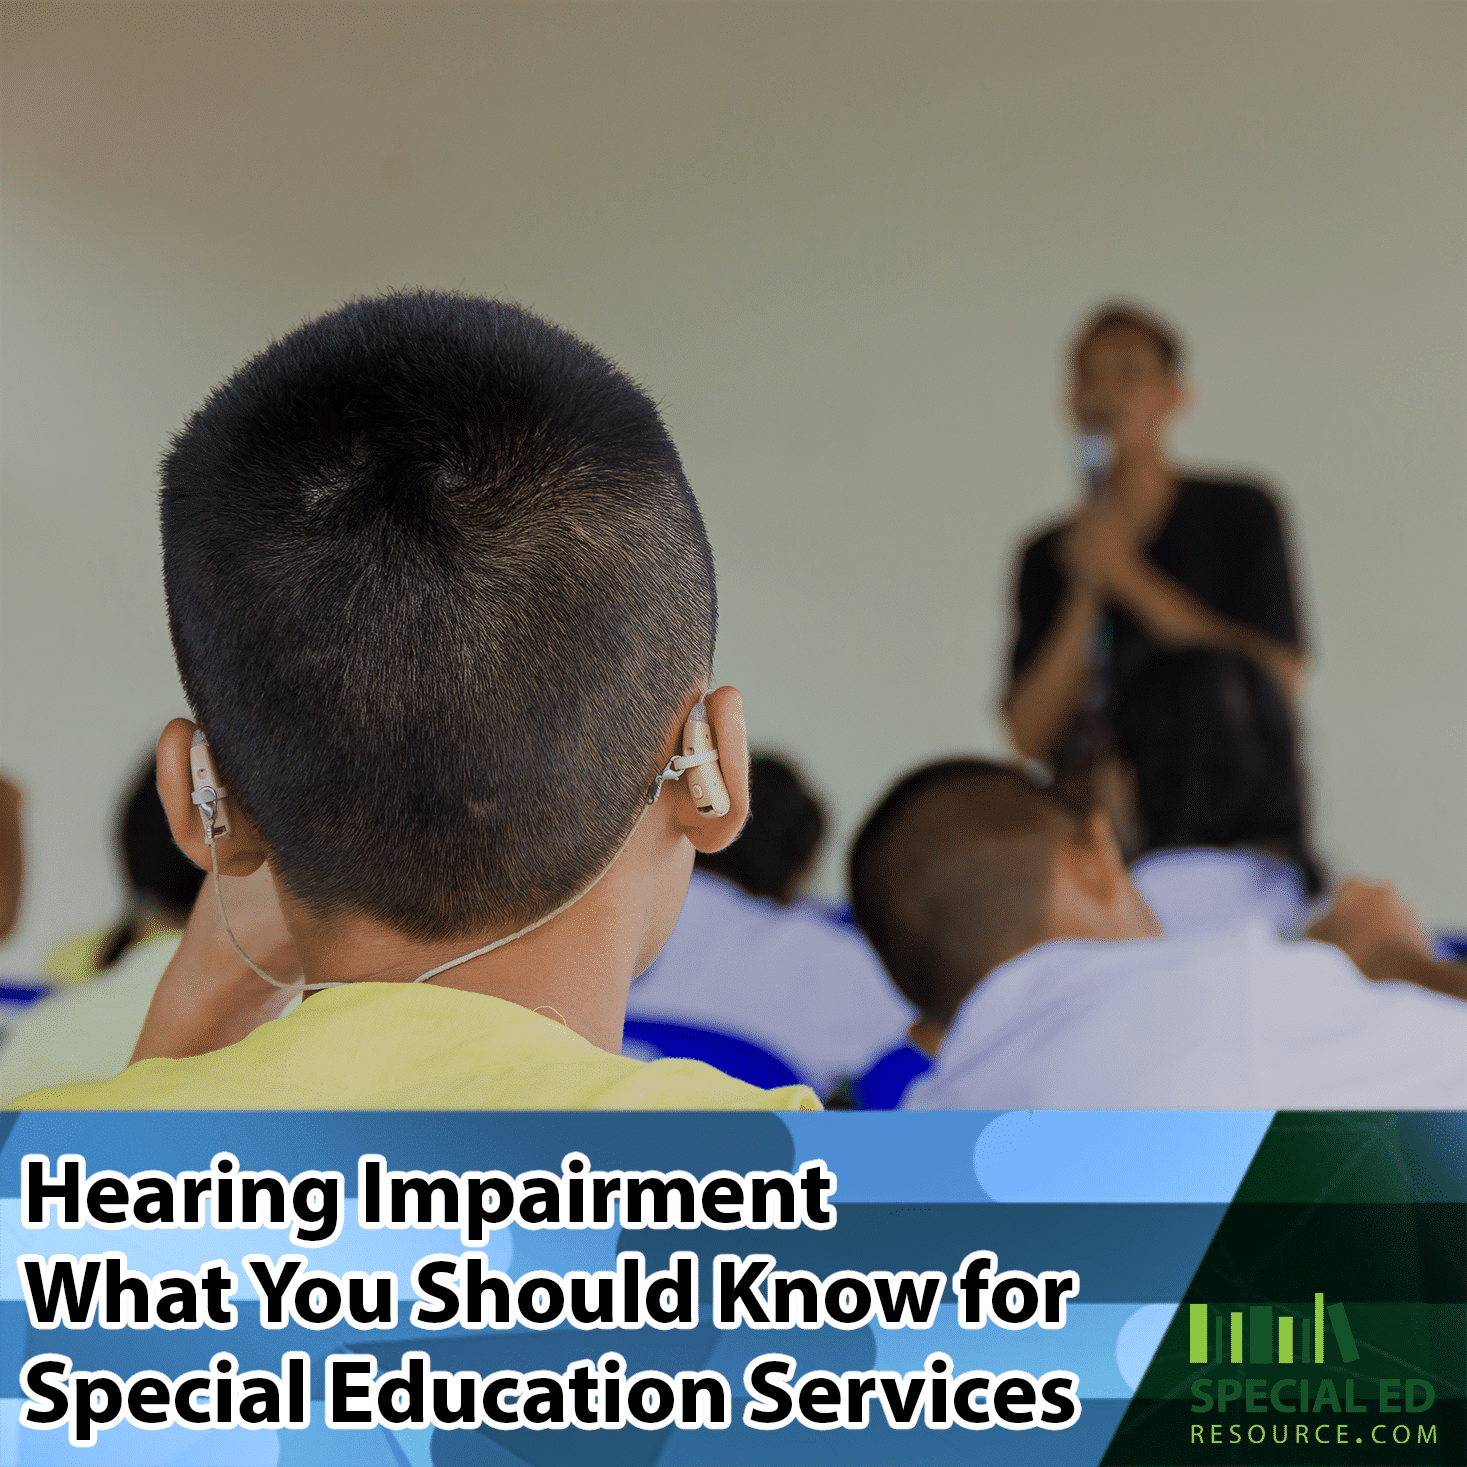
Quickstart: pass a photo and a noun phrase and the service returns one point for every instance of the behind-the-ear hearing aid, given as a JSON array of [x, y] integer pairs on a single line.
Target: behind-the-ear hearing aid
[[705, 783], [710, 794], [208, 796], [209, 791]]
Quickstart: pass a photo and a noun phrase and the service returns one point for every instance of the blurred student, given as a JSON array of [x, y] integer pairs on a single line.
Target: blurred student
[[88, 1029], [775, 851], [162, 883], [1009, 920], [1209, 795], [1155, 556], [747, 959], [442, 598], [12, 856]]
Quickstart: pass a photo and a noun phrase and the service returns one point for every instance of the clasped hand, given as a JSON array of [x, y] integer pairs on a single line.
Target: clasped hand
[[1100, 549]]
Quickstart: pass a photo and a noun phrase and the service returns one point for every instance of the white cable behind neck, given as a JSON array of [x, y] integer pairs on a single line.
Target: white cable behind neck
[[674, 769]]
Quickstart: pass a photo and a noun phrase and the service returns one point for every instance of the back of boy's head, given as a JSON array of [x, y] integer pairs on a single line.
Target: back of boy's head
[[438, 591], [1211, 744], [785, 828], [950, 875]]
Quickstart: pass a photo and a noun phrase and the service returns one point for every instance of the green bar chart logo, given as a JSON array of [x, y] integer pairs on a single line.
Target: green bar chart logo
[[1275, 1336]]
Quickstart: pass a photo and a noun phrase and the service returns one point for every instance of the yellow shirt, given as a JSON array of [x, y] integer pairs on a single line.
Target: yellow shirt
[[74, 961], [411, 1046]]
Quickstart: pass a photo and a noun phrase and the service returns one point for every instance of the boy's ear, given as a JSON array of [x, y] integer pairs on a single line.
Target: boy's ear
[[240, 852], [725, 709], [1179, 399]]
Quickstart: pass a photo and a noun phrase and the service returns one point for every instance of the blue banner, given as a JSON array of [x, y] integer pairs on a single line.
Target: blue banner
[[451, 1289]]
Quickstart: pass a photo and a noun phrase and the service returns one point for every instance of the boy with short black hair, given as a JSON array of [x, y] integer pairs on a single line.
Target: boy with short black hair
[[1009, 920], [442, 599]]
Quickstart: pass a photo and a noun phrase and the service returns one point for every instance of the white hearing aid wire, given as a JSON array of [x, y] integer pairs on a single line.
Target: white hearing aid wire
[[207, 801]]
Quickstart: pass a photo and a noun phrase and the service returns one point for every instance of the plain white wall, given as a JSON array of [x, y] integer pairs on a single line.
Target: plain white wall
[[843, 244]]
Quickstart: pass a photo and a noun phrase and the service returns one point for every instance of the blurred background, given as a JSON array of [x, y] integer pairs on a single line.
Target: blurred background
[[844, 245]]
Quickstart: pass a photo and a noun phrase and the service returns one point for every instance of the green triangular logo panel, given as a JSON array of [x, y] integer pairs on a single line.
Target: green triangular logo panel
[[1328, 1318]]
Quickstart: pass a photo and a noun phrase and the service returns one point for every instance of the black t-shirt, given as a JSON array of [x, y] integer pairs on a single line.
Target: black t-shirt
[[1223, 542]]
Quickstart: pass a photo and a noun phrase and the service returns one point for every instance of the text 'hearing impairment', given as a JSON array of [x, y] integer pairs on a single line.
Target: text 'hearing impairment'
[[464, 1290]]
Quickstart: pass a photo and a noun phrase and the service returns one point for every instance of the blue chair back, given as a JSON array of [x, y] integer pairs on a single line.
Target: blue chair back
[[884, 1084], [1452, 946], [727, 1052], [17, 995]]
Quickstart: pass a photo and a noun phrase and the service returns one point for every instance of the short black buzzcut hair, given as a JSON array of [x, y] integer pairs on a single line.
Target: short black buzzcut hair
[[1126, 316], [439, 591], [950, 875]]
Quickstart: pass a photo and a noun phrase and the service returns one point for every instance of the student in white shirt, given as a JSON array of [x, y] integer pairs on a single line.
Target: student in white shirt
[[86, 1031], [12, 860], [1044, 981], [748, 959], [161, 882]]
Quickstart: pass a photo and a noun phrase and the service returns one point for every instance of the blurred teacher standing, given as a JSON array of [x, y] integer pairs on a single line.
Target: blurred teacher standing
[[1154, 557]]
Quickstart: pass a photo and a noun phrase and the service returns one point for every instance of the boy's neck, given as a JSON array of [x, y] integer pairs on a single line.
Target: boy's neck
[[575, 970], [562, 970]]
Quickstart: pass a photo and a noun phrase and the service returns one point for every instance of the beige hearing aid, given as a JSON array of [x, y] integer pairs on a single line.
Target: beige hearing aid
[[208, 792], [705, 778]]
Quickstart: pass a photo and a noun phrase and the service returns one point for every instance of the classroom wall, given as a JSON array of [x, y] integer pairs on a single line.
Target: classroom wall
[[843, 245]]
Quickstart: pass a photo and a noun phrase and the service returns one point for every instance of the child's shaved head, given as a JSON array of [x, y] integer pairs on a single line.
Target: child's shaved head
[[438, 591], [950, 876]]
